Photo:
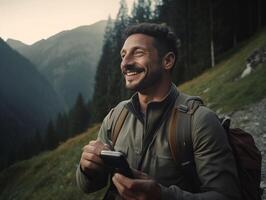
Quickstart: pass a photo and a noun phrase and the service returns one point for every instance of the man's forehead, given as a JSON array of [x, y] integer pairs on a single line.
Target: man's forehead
[[139, 39]]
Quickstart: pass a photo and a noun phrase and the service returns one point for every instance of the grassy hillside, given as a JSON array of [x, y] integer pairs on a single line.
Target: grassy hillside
[[221, 87], [51, 175]]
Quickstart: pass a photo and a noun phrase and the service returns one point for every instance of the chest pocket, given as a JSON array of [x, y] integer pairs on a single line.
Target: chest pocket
[[164, 169]]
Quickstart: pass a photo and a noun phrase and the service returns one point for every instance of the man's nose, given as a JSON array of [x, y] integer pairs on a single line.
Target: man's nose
[[126, 60]]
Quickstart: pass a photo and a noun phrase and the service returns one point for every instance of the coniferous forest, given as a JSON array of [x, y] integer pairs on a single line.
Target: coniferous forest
[[207, 30]]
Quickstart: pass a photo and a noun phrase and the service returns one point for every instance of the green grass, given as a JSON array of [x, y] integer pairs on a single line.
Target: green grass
[[51, 175], [221, 87]]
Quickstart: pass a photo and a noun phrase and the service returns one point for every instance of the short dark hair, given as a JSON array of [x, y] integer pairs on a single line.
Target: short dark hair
[[165, 38]]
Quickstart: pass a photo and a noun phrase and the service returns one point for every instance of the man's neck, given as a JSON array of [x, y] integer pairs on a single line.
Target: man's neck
[[153, 95]]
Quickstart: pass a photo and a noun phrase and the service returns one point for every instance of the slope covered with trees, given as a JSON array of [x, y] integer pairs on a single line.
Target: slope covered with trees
[[27, 103], [206, 30]]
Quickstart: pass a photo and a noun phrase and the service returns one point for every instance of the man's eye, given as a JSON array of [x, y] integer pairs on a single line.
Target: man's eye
[[138, 53]]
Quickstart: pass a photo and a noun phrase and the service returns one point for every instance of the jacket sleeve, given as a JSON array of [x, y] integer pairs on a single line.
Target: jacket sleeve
[[215, 163], [93, 182]]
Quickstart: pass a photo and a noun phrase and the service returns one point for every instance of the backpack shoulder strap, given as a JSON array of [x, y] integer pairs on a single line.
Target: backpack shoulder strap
[[116, 120], [180, 140], [118, 124], [179, 134]]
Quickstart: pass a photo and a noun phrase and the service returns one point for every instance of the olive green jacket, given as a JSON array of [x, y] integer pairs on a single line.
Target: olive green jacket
[[143, 139]]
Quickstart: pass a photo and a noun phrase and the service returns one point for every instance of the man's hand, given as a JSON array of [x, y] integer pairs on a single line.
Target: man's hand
[[90, 160], [141, 188]]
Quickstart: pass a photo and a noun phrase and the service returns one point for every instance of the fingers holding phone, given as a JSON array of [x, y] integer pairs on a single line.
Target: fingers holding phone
[[90, 159], [137, 188], [139, 174]]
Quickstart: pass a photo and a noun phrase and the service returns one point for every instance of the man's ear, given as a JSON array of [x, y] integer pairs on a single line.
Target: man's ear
[[168, 60]]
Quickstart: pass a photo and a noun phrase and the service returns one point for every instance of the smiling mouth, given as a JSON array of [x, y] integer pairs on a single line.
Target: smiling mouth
[[132, 71]]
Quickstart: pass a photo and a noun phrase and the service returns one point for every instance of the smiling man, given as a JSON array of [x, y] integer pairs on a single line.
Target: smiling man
[[148, 57]]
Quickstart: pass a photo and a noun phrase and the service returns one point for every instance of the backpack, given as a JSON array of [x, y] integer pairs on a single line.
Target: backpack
[[248, 157]]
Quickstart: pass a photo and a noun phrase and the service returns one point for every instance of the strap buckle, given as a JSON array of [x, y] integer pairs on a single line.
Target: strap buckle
[[183, 108]]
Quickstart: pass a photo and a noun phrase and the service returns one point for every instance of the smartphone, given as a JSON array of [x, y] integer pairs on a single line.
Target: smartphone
[[115, 161]]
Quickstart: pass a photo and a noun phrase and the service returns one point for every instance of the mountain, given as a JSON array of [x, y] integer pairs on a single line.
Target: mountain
[[68, 59], [51, 175], [16, 44], [27, 100]]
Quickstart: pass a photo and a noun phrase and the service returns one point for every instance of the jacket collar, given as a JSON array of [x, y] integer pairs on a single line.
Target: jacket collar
[[155, 108]]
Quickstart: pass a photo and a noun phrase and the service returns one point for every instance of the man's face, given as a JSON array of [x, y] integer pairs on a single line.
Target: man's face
[[141, 65]]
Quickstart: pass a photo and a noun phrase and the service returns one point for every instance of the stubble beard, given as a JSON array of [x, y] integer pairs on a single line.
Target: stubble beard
[[146, 82]]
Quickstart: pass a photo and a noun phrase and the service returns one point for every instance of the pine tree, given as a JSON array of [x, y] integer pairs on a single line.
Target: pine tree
[[37, 143], [102, 79], [141, 11], [116, 90], [79, 117], [51, 140]]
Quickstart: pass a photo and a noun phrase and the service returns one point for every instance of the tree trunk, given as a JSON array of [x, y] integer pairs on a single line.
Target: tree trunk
[[235, 22], [211, 33], [259, 14], [188, 35]]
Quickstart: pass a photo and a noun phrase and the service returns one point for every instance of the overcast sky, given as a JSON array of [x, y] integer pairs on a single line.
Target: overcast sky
[[32, 20]]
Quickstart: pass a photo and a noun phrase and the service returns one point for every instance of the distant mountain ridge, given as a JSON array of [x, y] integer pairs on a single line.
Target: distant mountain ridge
[[16, 44], [68, 59]]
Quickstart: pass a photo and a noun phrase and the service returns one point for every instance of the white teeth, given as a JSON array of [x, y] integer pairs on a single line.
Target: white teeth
[[131, 73]]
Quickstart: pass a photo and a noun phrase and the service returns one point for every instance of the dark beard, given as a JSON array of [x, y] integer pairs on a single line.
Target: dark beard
[[148, 81]]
